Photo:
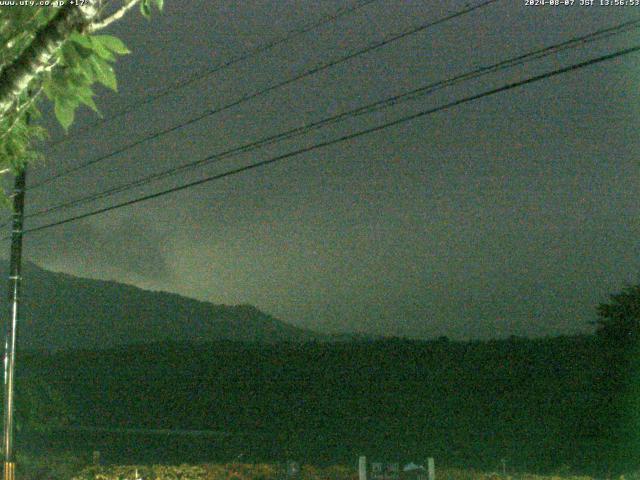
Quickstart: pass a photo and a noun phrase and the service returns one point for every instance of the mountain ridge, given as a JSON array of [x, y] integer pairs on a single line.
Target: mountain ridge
[[62, 311]]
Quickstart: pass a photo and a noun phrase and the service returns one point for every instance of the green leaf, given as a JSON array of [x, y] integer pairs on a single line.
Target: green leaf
[[85, 95], [82, 40], [70, 55], [11, 147], [54, 86], [47, 87], [103, 52], [75, 79], [65, 112], [104, 73], [159, 4], [108, 79], [114, 44], [88, 101], [145, 9], [86, 67], [5, 202], [82, 51]]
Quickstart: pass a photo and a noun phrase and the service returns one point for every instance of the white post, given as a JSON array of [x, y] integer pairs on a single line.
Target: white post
[[431, 467], [362, 468]]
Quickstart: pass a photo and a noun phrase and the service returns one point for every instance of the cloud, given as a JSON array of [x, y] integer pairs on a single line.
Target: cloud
[[119, 247]]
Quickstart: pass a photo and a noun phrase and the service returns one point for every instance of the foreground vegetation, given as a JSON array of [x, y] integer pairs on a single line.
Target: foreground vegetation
[[236, 471], [541, 404], [565, 404]]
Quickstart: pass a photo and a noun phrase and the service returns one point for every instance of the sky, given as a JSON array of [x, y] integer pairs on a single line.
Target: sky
[[515, 214]]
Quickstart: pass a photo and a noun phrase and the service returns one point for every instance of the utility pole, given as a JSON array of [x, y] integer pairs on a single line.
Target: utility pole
[[15, 271]]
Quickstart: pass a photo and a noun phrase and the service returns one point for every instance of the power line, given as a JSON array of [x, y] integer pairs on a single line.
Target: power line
[[344, 138], [571, 43], [369, 108], [221, 66], [266, 90]]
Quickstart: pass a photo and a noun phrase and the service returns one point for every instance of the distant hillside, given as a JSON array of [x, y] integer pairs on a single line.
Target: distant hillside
[[62, 311]]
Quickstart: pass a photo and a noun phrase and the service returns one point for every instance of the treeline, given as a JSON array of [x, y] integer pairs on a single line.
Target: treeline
[[543, 405]]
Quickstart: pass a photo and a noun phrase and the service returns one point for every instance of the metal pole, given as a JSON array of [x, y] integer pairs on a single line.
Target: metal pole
[[11, 324]]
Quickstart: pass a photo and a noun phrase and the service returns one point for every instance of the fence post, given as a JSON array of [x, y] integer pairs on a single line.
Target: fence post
[[431, 467], [362, 468]]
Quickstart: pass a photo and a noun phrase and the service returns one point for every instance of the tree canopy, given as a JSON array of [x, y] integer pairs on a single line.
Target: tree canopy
[[619, 320], [54, 51]]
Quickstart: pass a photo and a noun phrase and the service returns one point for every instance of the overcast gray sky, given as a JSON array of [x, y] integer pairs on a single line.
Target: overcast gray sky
[[511, 215]]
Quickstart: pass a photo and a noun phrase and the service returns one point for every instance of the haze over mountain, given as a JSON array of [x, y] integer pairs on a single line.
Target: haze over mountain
[[61, 311]]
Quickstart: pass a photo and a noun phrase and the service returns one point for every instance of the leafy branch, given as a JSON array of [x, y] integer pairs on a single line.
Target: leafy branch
[[54, 50]]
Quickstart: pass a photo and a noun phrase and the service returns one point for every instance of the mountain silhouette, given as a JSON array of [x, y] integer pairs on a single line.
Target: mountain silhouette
[[60, 311]]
